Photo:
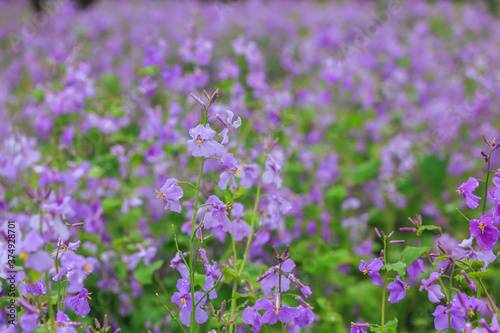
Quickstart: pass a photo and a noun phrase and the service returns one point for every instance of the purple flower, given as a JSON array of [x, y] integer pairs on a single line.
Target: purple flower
[[271, 174], [434, 290], [228, 125], [372, 270], [29, 321], [184, 300], [76, 268], [275, 312], [171, 192], [249, 175], [37, 288], [359, 327], [202, 144], [65, 325], [80, 303], [270, 279], [466, 190], [230, 170], [471, 283], [240, 229], [213, 275], [416, 267], [250, 316], [305, 316], [177, 264], [484, 231], [397, 290], [216, 214], [461, 307]]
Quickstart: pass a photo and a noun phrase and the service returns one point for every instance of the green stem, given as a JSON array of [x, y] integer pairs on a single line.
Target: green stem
[[384, 286], [493, 306], [58, 282], [171, 315], [187, 183], [191, 247], [486, 183]]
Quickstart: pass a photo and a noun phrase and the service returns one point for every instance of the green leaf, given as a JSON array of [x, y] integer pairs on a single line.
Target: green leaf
[[423, 228], [412, 253], [389, 327], [144, 274], [398, 267]]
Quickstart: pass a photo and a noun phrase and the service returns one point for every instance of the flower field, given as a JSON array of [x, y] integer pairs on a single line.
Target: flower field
[[249, 166]]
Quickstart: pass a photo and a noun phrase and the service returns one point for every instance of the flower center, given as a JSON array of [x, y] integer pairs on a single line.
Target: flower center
[[408, 288], [365, 271], [277, 311], [183, 300], [460, 192], [471, 313], [198, 142], [159, 195], [481, 226], [23, 256], [237, 172], [87, 267]]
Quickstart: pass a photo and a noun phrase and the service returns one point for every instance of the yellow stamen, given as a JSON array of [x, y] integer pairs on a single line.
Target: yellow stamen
[[481, 226], [23, 256], [89, 296], [237, 172], [460, 192], [311, 307], [198, 142], [183, 300], [87, 267], [471, 313], [159, 195], [277, 311], [408, 288], [365, 271]]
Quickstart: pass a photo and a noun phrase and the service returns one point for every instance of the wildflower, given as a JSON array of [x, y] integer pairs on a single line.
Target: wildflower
[[249, 175], [37, 288], [305, 316], [270, 279], [471, 283], [275, 312], [228, 125], [397, 290], [216, 214], [171, 192], [202, 143], [183, 299], [271, 174], [250, 316], [76, 268], [416, 267], [240, 228], [213, 275], [230, 170], [177, 264], [434, 290], [359, 327], [80, 303], [466, 190], [484, 231], [372, 270]]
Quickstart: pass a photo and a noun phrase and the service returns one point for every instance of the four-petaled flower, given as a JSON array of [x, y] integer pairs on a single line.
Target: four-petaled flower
[[202, 143], [80, 303], [466, 190], [228, 125], [171, 192], [230, 169], [372, 270], [397, 290], [275, 312], [484, 231], [434, 290]]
